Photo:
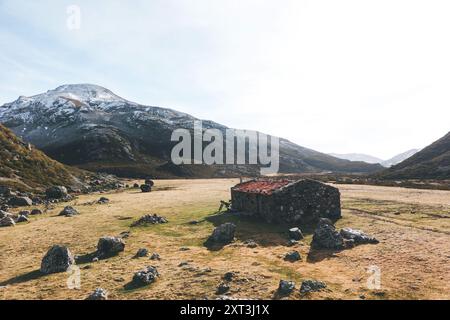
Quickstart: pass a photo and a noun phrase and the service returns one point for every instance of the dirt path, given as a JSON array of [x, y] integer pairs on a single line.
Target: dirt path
[[413, 255]]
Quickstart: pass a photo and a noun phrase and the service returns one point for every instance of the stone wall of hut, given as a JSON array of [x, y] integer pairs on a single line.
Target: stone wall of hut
[[301, 202]]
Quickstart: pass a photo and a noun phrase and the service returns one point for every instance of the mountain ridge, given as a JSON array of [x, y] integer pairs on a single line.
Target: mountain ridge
[[91, 127], [432, 162]]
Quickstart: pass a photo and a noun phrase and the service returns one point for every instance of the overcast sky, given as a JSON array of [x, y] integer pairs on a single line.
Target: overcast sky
[[336, 76]]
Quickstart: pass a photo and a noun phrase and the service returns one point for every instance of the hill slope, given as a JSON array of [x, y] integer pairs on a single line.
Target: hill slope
[[92, 128], [399, 158], [433, 162], [25, 167]]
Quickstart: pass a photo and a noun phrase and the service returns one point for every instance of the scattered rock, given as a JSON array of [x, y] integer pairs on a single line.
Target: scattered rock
[[312, 286], [146, 188], [103, 200], [109, 247], [286, 287], [57, 259], [193, 222], [155, 256], [183, 264], [4, 214], [292, 243], [125, 234], [25, 213], [56, 192], [295, 234], [250, 244], [22, 218], [68, 212], [223, 234], [326, 236], [35, 212], [20, 201], [229, 276], [292, 256], [7, 222], [223, 288], [95, 259], [135, 185], [98, 294], [149, 182], [149, 219], [5, 190], [141, 253], [357, 236], [145, 276], [184, 249]]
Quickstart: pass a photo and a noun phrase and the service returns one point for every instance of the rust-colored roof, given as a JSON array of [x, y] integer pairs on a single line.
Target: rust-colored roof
[[261, 186]]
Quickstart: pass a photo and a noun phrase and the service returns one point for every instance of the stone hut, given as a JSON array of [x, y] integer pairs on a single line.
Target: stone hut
[[286, 201]]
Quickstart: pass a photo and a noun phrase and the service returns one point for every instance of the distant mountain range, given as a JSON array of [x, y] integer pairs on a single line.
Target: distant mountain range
[[371, 159], [432, 162], [90, 127]]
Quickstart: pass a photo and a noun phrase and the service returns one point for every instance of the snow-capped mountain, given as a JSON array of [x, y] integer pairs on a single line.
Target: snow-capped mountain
[[91, 127], [399, 158]]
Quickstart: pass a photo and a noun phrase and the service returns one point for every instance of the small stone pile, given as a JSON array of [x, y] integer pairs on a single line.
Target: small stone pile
[[145, 276], [149, 219], [69, 212], [327, 237], [98, 294]]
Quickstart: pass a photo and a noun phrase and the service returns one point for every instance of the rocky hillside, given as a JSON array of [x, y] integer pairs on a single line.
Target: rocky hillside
[[433, 162], [92, 128], [24, 167]]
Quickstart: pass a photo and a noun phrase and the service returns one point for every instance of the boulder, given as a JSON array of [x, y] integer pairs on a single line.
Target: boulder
[[326, 236], [110, 246], [20, 201], [57, 259], [98, 294], [295, 234], [68, 212], [292, 256], [223, 234], [149, 182], [56, 192], [146, 188], [35, 212], [357, 236], [286, 287], [7, 222], [312, 286], [145, 276]]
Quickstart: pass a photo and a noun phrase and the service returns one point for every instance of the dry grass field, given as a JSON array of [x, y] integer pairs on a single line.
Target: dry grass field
[[413, 227]]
